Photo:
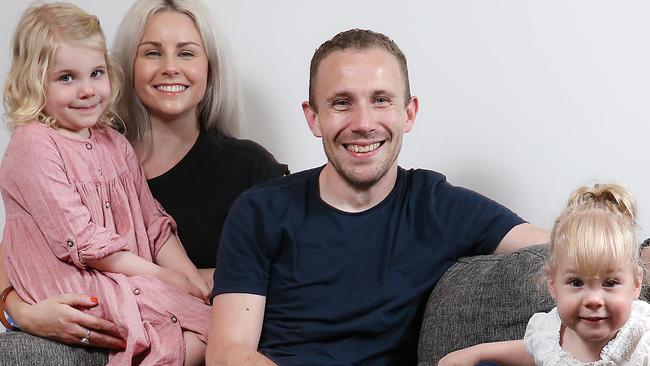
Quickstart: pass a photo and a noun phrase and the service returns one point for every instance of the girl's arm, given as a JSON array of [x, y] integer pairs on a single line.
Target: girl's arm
[[132, 265], [505, 353], [161, 231], [173, 256]]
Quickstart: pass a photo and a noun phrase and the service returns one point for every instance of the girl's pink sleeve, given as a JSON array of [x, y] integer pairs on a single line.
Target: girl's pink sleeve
[[160, 226], [34, 178]]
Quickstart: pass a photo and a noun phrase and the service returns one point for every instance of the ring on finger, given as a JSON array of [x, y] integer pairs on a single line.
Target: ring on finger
[[85, 340]]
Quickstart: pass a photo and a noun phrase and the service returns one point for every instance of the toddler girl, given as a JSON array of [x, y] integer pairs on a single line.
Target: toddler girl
[[594, 275], [79, 215]]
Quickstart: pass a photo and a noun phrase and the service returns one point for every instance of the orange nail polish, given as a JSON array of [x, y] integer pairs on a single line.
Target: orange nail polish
[[94, 299]]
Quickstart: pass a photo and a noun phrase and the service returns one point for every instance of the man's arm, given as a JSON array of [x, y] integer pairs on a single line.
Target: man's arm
[[521, 236], [235, 330], [505, 353]]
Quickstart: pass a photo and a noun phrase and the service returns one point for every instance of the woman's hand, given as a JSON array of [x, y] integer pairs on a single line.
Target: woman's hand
[[58, 319]]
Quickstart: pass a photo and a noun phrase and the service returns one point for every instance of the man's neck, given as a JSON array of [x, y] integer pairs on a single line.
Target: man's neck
[[340, 194]]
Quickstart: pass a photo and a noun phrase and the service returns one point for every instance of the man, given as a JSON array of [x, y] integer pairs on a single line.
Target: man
[[333, 266]]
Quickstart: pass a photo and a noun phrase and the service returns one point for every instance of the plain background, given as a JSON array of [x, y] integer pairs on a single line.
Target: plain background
[[521, 100]]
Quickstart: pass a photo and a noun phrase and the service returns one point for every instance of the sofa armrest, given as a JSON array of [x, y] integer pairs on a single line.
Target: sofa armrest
[[19, 348], [483, 299]]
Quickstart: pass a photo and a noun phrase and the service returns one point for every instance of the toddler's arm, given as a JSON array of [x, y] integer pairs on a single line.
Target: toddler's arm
[[506, 353], [173, 256], [133, 265]]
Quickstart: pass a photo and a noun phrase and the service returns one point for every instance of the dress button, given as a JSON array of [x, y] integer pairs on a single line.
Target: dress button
[[89, 146], [107, 204], [70, 243], [174, 319], [100, 173], [136, 291]]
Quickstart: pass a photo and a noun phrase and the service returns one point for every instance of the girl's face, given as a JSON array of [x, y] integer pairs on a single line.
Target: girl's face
[[171, 66], [593, 309], [77, 87]]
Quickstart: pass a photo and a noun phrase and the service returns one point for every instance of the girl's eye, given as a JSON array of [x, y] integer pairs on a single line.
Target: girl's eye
[[65, 78], [610, 283], [96, 74], [576, 282], [185, 54]]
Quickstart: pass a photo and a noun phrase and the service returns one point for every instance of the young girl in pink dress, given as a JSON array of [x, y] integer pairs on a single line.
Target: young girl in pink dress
[[79, 215]]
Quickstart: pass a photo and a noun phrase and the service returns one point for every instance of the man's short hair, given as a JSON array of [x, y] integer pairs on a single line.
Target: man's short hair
[[359, 39]]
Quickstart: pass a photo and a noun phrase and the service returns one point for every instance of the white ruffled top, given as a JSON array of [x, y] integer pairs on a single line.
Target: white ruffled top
[[631, 346]]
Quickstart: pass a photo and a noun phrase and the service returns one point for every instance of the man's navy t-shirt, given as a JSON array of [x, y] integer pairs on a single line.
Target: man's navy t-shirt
[[350, 288]]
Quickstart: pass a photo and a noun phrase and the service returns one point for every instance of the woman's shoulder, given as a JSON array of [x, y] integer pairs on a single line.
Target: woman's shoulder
[[238, 147], [247, 155]]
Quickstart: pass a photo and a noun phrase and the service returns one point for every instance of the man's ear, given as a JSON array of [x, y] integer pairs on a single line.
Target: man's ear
[[312, 119], [411, 111]]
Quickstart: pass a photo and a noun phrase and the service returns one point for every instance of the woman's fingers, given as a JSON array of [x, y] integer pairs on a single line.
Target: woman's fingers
[[75, 300], [58, 318]]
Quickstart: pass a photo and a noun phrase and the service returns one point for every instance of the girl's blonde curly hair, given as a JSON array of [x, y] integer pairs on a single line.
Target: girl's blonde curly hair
[[40, 31]]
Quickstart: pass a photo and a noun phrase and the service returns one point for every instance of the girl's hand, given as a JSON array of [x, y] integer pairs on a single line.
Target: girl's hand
[[462, 357], [58, 319], [197, 280], [180, 281]]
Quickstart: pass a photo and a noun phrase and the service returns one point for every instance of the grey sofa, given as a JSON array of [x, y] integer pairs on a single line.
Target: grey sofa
[[480, 299], [483, 299]]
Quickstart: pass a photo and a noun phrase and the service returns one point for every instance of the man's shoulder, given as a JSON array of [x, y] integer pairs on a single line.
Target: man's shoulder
[[423, 179], [293, 185], [428, 183], [423, 175]]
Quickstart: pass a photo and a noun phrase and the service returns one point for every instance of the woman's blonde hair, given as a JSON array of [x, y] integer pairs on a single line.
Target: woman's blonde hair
[[40, 31], [597, 231], [219, 110]]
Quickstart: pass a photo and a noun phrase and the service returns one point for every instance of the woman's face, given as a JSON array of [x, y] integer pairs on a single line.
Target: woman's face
[[171, 66]]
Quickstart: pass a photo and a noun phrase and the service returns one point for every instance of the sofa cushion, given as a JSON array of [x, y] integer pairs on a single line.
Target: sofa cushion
[[483, 299], [18, 348]]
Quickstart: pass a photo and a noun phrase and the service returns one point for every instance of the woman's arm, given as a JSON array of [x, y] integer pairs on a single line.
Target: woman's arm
[[58, 319], [173, 256], [507, 353]]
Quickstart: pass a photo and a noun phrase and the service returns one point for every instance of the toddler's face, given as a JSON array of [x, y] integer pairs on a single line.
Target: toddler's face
[[77, 87], [593, 308]]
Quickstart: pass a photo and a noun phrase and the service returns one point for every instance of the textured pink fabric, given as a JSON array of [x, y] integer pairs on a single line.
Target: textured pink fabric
[[69, 201]]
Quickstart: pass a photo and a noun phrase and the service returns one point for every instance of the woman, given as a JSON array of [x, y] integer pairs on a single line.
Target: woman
[[178, 115]]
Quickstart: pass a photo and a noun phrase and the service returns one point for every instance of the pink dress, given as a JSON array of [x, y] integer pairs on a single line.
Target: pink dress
[[69, 201]]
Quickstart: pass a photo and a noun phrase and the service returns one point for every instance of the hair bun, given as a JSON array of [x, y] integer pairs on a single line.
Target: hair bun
[[612, 197]]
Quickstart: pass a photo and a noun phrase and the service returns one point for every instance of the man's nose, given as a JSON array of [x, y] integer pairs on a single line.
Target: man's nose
[[362, 118]]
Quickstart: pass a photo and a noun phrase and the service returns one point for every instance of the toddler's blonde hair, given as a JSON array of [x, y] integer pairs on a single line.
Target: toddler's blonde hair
[[41, 29], [597, 231]]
